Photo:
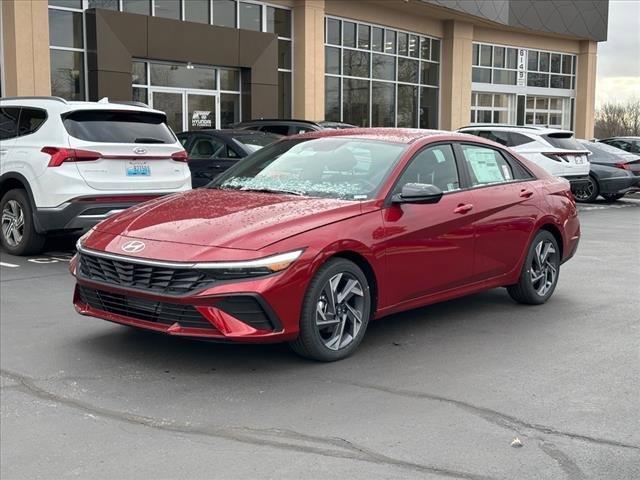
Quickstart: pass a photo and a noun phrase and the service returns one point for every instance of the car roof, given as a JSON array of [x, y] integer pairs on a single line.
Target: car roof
[[627, 137], [61, 105], [395, 135], [276, 120], [526, 129]]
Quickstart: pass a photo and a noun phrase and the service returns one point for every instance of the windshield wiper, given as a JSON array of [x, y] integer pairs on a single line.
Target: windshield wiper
[[148, 140], [273, 190]]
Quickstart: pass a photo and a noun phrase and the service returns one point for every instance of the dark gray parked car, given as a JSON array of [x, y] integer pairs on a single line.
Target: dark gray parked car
[[628, 144], [614, 173]]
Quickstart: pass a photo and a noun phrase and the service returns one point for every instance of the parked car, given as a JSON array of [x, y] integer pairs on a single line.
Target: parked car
[[211, 152], [614, 173], [628, 144], [290, 127], [313, 236], [68, 165], [557, 151]]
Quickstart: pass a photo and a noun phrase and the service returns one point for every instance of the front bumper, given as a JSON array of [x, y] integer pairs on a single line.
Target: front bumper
[[247, 311], [84, 212]]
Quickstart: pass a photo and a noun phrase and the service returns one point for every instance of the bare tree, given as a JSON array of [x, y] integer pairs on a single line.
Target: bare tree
[[618, 119]]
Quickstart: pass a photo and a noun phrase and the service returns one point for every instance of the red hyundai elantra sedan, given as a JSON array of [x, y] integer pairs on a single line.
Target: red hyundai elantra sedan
[[310, 238]]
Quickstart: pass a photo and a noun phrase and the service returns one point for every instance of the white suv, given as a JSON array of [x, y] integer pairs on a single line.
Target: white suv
[[67, 165], [557, 151]]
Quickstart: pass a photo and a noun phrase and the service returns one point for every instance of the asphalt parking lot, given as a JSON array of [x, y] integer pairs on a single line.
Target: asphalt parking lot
[[439, 392]]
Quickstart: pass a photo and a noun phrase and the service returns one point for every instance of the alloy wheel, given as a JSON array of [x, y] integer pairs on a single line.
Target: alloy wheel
[[585, 192], [340, 310], [544, 270], [12, 222]]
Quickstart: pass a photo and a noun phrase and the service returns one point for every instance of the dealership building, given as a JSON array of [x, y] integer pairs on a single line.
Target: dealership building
[[407, 63]]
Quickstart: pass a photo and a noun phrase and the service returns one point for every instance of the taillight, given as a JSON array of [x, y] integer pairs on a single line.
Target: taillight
[[62, 155], [180, 156], [624, 166]]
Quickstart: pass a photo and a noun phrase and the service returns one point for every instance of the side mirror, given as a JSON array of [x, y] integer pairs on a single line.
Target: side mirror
[[418, 193]]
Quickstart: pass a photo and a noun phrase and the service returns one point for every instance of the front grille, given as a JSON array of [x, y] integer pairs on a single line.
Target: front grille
[[143, 309], [164, 280]]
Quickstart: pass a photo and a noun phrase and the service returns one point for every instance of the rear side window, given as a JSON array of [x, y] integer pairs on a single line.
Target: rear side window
[[516, 139], [563, 140], [9, 122], [30, 120], [107, 126], [254, 142], [486, 166], [508, 139], [278, 129]]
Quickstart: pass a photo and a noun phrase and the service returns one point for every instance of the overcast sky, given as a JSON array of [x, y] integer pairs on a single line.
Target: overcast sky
[[619, 57]]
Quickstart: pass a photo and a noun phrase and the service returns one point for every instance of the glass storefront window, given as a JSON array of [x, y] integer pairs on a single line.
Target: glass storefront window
[[284, 54], [139, 73], [105, 4], [66, 3], [284, 94], [250, 16], [386, 64], [170, 75], [279, 22], [229, 109], [196, 11], [67, 74], [143, 7], [492, 108], [168, 9], [229, 80], [65, 29], [224, 13]]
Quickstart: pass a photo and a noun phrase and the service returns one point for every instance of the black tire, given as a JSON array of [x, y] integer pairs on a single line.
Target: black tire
[[311, 342], [30, 242], [528, 290], [612, 197], [589, 192]]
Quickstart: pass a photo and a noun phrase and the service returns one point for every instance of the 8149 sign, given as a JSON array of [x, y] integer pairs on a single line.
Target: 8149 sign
[[522, 67]]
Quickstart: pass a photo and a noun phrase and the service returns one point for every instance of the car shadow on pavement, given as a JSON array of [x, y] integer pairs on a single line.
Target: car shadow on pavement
[[443, 324]]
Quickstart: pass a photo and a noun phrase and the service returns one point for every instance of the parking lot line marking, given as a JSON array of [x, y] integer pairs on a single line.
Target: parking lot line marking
[[10, 265]]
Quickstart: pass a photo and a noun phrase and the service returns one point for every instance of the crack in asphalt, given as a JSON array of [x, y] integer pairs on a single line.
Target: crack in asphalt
[[273, 437], [566, 464], [492, 416]]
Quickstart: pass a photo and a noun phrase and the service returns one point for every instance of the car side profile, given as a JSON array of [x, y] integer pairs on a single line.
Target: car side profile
[[614, 173], [557, 151], [67, 165], [211, 152], [312, 237]]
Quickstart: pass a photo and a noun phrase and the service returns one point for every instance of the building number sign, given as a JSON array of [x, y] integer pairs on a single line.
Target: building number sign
[[522, 67]]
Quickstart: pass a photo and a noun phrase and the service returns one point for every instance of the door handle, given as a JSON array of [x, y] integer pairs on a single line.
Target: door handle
[[525, 193], [463, 208]]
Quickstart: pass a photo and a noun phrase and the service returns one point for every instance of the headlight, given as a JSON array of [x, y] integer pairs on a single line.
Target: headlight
[[249, 268], [81, 240]]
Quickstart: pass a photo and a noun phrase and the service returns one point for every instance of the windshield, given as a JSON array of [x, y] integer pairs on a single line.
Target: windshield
[[563, 140], [118, 126], [607, 152], [331, 167], [252, 142]]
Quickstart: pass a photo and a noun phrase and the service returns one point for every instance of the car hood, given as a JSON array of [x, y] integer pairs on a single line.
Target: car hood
[[227, 218]]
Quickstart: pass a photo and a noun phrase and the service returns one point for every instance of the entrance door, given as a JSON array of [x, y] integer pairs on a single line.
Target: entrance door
[[171, 103], [202, 111], [187, 109]]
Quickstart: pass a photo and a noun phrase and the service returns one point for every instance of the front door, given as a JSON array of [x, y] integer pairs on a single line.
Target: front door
[[186, 110], [429, 247]]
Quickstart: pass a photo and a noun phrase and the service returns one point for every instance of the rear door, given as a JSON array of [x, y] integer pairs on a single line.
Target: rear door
[[208, 156], [134, 150], [505, 209]]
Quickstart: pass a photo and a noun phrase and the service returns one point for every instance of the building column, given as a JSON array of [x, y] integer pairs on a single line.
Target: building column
[[308, 59], [586, 89], [455, 79], [25, 43]]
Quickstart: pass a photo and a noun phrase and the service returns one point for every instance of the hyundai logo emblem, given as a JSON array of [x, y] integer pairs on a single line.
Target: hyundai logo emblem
[[139, 151], [134, 246]]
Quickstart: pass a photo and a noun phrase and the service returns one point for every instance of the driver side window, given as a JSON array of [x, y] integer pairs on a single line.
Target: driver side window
[[434, 165]]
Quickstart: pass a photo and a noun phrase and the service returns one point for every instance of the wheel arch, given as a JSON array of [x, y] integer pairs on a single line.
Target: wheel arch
[[557, 234], [368, 271]]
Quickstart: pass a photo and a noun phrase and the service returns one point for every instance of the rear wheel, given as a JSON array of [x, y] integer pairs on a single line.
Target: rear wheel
[[335, 312], [589, 192], [18, 234], [540, 271], [612, 197]]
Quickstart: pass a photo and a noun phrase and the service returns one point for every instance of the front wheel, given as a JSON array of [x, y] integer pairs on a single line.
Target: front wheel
[[335, 312], [540, 271]]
